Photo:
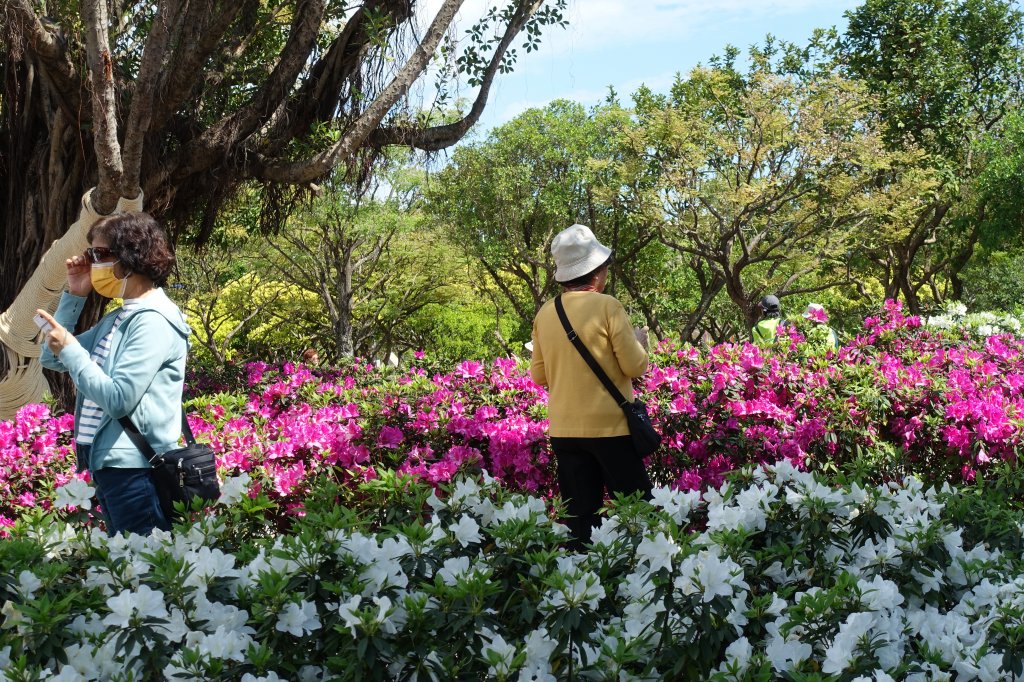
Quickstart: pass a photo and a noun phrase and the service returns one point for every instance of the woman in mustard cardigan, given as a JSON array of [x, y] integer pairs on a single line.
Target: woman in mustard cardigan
[[589, 435]]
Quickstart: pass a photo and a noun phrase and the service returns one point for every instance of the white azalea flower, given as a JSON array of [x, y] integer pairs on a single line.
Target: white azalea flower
[[226, 644], [878, 676], [216, 615], [657, 551], [539, 646], [466, 531], [82, 658], [846, 642], [28, 583], [496, 644], [143, 604], [384, 608], [990, 668], [738, 653], [880, 594], [233, 488], [66, 674], [930, 582], [209, 563], [312, 673], [676, 503], [175, 629], [784, 655], [349, 612], [582, 589], [453, 570], [385, 572], [271, 676], [709, 574], [74, 493], [435, 502], [607, 533], [737, 616], [298, 619], [466, 492]]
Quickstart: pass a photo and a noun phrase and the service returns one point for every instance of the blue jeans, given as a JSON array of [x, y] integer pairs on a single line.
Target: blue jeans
[[129, 500]]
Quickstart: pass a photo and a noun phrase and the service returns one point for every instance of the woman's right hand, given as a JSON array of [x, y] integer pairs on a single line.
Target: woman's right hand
[[57, 338], [79, 279]]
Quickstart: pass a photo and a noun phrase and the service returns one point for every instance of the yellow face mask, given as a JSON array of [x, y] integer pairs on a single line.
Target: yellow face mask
[[105, 282]]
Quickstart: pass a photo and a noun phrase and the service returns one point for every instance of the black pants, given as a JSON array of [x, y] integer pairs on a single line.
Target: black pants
[[586, 466]]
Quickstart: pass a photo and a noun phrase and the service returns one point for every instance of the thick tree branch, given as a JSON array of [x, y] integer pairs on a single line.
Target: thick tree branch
[[141, 113], [318, 166], [49, 49], [200, 29], [104, 104], [440, 137], [216, 140], [321, 93]]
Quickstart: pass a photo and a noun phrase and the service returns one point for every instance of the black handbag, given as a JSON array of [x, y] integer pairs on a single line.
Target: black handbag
[[182, 474], [645, 439]]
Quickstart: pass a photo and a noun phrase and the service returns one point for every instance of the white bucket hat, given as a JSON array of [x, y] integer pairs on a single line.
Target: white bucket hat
[[814, 310], [577, 252]]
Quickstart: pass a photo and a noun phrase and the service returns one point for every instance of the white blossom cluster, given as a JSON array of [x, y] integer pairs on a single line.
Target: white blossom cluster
[[981, 324], [786, 575]]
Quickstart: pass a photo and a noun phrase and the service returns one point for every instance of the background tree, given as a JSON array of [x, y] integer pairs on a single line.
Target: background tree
[[765, 183], [504, 198], [189, 101], [946, 73], [362, 259], [221, 294]]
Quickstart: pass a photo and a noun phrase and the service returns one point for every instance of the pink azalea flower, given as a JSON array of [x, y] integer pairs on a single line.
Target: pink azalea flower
[[390, 437]]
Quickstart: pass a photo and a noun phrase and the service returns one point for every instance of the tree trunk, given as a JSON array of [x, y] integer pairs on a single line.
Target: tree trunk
[[343, 342]]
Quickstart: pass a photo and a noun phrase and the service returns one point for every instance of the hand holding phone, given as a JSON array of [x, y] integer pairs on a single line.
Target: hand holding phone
[[57, 337], [42, 323]]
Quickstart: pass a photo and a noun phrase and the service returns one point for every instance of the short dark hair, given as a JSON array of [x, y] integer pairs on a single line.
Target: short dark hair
[[583, 280], [139, 242]]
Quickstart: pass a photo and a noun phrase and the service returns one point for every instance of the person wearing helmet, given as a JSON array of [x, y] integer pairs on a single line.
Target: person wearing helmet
[[765, 330]]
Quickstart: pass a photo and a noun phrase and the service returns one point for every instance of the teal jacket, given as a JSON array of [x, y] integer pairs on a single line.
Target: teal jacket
[[143, 377]]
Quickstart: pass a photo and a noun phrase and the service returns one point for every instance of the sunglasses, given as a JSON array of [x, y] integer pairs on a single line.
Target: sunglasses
[[97, 254]]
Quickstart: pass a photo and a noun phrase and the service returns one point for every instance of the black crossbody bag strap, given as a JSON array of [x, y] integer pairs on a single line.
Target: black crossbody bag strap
[[143, 445], [594, 365]]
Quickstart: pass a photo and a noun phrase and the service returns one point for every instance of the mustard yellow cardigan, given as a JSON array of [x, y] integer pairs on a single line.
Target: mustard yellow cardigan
[[579, 406]]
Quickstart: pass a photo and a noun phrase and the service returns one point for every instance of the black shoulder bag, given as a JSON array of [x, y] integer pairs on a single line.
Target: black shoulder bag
[[181, 474], [645, 439]]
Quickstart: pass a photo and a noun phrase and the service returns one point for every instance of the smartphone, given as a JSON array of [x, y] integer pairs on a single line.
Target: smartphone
[[41, 322]]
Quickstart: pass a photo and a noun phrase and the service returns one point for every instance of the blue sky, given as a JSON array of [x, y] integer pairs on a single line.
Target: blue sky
[[626, 43]]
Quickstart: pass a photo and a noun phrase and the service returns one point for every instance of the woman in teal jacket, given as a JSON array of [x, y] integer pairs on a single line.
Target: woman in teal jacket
[[131, 363]]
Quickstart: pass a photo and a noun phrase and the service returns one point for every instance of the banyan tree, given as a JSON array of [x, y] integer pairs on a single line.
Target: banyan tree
[[185, 102]]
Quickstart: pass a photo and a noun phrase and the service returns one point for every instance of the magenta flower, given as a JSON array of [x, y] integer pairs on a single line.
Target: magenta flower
[[390, 437]]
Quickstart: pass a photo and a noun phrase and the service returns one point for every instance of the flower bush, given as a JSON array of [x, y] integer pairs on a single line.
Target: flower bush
[[980, 324], [777, 575], [900, 398], [36, 457]]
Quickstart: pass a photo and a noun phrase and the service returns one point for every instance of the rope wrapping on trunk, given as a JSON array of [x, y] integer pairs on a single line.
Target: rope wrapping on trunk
[[19, 335]]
